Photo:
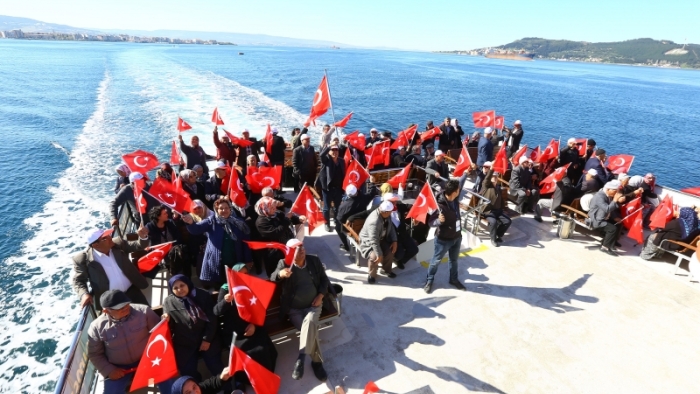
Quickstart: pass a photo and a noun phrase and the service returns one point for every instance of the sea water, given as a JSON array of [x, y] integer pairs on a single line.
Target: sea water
[[69, 110]]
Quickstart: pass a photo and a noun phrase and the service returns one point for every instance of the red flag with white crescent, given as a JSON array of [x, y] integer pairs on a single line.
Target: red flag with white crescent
[[306, 205], [400, 141], [401, 177], [550, 152], [156, 255], [581, 146], [216, 118], [662, 214], [380, 154], [165, 192], [516, 157], [432, 133], [549, 183], [343, 122], [322, 100], [141, 161], [347, 157], [617, 164], [692, 190], [463, 163], [355, 174], [236, 192], [261, 245], [636, 231], [425, 204], [238, 141], [356, 140], [410, 133], [264, 177], [500, 162], [158, 358], [182, 125], [251, 295], [484, 118], [268, 139], [499, 122], [138, 195], [627, 210], [535, 154], [263, 380], [174, 154]]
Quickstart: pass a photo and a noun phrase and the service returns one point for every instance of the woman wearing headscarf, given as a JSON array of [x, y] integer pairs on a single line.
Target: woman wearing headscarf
[[188, 385], [274, 226], [123, 172], [193, 324], [225, 246], [683, 227], [252, 339], [474, 140], [190, 184], [201, 175], [166, 172], [196, 244]]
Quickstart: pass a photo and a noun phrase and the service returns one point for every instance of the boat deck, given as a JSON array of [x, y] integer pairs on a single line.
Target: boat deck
[[539, 315]]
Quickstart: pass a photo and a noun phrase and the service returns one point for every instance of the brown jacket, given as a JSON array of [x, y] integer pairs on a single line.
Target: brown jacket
[[87, 269], [492, 193]]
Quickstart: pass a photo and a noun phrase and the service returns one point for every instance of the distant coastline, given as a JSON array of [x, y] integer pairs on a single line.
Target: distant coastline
[[18, 34]]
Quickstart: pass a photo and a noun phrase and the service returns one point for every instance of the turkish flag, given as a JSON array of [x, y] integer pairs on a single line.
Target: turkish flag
[[309, 120], [516, 157], [401, 177], [236, 192], [549, 183], [484, 118], [155, 256], [500, 162], [347, 157], [268, 139], [165, 192], [138, 195], [636, 232], [174, 154], [581, 144], [288, 252], [182, 125], [356, 140], [499, 122], [662, 214], [627, 210], [238, 141], [344, 121], [463, 163], [158, 359], [216, 118], [425, 204], [306, 205], [380, 154], [251, 295], [410, 133], [617, 164], [371, 387], [694, 191], [264, 177], [400, 141], [355, 174], [432, 133], [550, 152], [140, 161], [322, 100], [535, 154], [262, 380]]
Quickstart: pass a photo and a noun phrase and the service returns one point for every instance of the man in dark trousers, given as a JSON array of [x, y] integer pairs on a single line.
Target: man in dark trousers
[[605, 214], [446, 134], [494, 213], [224, 148], [522, 187], [569, 154], [194, 154], [440, 171], [245, 151], [304, 163], [278, 148], [304, 285], [597, 162], [448, 237], [331, 180], [355, 203], [515, 137]]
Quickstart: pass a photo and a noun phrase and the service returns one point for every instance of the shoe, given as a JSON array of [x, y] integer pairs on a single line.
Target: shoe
[[555, 222], [494, 243], [400, 265], [499, 239], [610, 252], [328, 227], [539, 219], [298, 372], [458, 285], [319, 371], [428, 287], [371, 280], [618, 244], [391, 275], [342, 247]]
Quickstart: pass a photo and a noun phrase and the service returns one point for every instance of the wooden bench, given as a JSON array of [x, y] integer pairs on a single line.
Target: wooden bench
[[576, 212], [691, 247], [353, 232]]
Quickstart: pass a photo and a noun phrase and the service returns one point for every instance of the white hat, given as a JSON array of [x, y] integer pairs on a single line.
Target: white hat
[[220, 165], [612, 185], [96, 234], [274, 130], [439, 153], [305, 137], [523, 159], [488, 164], [622, 176], [245, 131], [351, 190], [390, 197], [518, 122], [488, 130], [373, 129], [401, 147], [571, 140], [293, 243], [386, 206], [592, 172], [135, 176]]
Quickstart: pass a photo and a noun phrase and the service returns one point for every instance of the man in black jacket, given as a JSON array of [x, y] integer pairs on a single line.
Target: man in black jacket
[[304, 286], [399, 159], [195, 154], [277, 150], [331, 179], [440, 172], [569, 154], [516, 136], [416, 158], [521, 186], [447, 133], [244, 152], [212, 187], [353, 204], [305, 163], [448, 237]]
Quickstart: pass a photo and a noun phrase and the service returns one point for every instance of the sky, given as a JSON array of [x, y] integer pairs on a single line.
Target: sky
[[408, 24]]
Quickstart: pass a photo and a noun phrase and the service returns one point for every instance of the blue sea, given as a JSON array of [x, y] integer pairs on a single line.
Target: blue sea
[[69, 110]]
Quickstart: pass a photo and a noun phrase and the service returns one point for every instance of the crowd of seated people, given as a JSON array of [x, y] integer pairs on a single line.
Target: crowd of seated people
[[211, 236]]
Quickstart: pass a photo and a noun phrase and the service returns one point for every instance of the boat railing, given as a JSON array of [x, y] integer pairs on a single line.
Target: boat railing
[[79, 375]]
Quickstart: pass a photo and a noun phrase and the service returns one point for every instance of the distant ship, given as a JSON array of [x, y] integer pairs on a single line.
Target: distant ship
[[509, 55]]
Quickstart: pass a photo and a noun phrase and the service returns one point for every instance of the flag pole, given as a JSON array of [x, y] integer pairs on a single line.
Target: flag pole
[[330, 98]]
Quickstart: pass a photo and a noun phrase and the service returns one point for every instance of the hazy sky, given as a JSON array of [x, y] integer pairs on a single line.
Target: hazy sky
[[407, 24]]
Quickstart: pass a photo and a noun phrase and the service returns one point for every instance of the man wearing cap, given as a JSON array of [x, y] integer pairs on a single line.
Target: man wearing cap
[[355, 203], [448, 236], [480, 176], [597, 162], [304, 163], [399, 160], [212, 187], [630, 192], [304, 287], [516, 135], [244, 152], [605, 214], [378, 241], [439, 173], [416, 158], [194, 154], [331, 179], [278, 148], [105, 265], [374, 137], [485, 149], [429, 152], [569, 154], [590, 148], [224, 148], [589, 183], [126, 196], [118, 338], [521, 186]]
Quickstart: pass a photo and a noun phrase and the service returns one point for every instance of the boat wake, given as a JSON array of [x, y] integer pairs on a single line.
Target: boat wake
[[59, 147]]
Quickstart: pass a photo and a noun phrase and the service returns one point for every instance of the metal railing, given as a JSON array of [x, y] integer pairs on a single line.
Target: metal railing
[[78, 375]]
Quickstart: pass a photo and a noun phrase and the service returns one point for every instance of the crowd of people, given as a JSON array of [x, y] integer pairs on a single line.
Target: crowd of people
[[209, 238]]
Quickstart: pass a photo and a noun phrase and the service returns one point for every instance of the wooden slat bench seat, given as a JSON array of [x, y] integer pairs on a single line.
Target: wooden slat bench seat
[[681, 254]]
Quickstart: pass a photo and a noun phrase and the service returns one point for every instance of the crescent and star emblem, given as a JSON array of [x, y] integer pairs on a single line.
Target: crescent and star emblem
[[308, 206], [317, 97], [136, 162], [171, 205], [356, 179], [272, 181], [238, 289], [422, 203], [487, 117], [619, 162], [158, 338], [141, 201], [460, 161]]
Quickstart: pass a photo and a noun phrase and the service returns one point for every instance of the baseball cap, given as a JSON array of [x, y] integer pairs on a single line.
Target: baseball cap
[[439, 153], [114, 299], [96, 234], [386, 206]]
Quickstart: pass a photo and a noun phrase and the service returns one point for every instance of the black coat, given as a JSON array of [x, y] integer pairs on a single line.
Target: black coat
[[520, 179], [564, 193], [198, 195], [278, 148], [332, 173], [448, 229], [603, 174], [212, 189], [305, 168], [352, 205], [188, 336], [242, 158], [516, 136], [276, 228], [289, 285], [154, 233], [485, 151], [195, 156], [441, 169]]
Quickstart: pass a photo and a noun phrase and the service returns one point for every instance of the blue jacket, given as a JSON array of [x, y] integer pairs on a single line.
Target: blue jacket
[[603, 175], [485, 151], [211, 265]]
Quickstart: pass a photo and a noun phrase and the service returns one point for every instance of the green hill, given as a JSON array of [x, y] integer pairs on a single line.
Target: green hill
[[639, 51]]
